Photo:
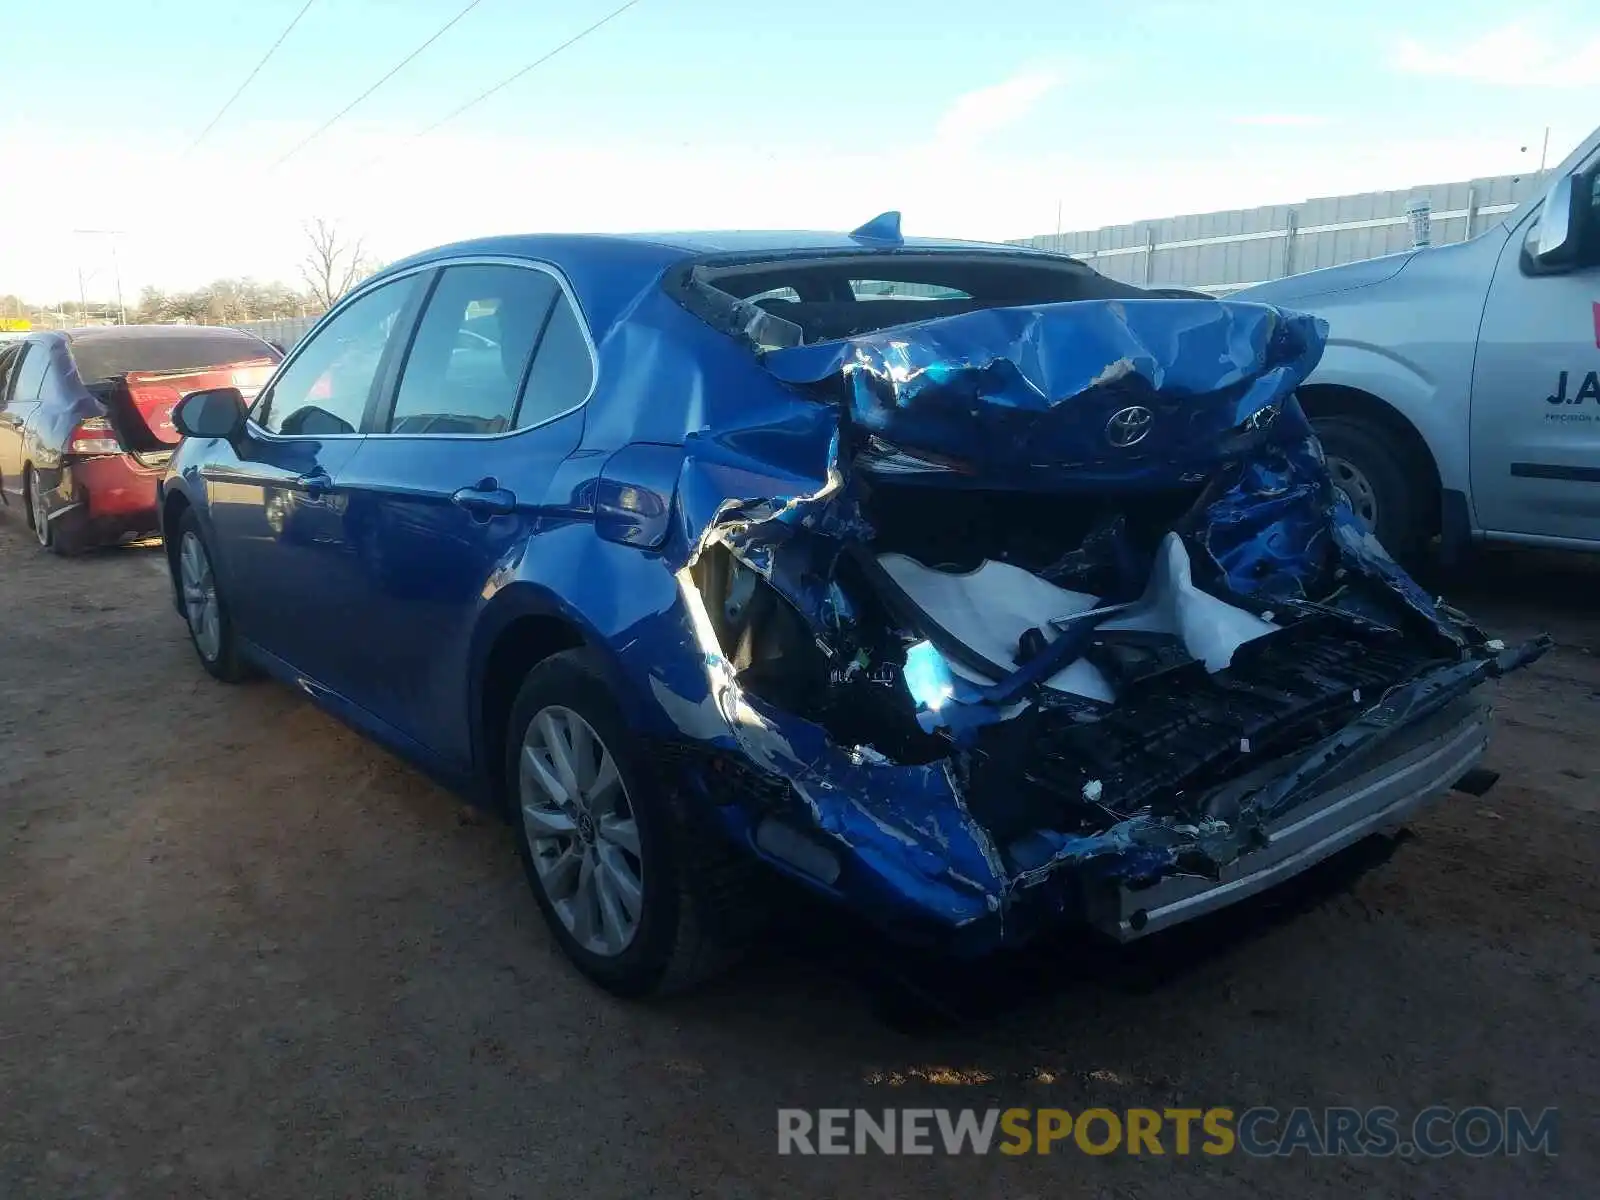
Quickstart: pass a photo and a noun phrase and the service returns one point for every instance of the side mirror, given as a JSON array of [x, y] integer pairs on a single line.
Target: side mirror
[[1559, 239], [217, 413]]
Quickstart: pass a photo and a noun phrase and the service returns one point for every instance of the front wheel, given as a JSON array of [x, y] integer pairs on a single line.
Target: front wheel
[[205, 612], [1377, 479], [639, 899]]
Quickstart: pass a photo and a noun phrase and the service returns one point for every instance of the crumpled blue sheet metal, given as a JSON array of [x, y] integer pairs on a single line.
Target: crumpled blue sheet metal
[[1022, 399], [1028, 396], [1272, 532]]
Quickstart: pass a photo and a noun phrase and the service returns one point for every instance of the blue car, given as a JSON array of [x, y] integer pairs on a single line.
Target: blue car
[[957, 583]]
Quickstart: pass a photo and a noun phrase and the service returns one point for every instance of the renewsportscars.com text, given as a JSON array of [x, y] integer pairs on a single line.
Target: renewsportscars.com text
[[1259, 1131]]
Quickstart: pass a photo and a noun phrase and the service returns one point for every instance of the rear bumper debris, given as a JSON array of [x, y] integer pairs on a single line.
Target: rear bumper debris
[[1347, 810]]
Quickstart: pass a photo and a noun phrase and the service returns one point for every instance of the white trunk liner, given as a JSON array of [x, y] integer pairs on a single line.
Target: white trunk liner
[[990, 608]]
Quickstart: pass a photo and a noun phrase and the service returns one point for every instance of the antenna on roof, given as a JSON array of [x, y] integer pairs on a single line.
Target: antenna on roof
[[883, 229]]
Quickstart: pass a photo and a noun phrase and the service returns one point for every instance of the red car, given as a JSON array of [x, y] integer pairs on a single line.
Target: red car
[[86, 421]]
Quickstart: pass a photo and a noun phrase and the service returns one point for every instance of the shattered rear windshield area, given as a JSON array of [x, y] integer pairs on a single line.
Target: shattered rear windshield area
[[800, 300]]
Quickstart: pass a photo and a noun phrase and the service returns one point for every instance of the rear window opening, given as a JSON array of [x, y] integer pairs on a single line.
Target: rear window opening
[[801, 299], [107, 354]]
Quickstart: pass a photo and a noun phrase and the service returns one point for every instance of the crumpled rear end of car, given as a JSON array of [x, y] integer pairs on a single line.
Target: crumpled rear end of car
[[1018, 608]]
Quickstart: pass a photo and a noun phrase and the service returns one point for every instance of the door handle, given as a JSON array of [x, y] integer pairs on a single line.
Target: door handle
[[485, 500], [314, 483]]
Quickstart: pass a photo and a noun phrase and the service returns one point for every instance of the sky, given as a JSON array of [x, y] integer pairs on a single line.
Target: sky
[[975, 120]]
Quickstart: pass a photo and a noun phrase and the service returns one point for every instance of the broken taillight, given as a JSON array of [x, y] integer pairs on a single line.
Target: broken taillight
[[94, 436]]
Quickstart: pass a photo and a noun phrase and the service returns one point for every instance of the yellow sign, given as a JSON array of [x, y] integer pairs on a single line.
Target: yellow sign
[[15, 325]]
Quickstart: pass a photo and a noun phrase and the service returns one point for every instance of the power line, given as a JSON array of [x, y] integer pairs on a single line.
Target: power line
[[254, 71], [518, 74], [390, 74]]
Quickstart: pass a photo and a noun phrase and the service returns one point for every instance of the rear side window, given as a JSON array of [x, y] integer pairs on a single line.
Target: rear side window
[[563, 368], [30, 375], [325, 389], [472, 348], [8, 362]]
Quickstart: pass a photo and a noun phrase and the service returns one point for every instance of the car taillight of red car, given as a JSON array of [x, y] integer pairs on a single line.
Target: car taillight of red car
[[94, 436]]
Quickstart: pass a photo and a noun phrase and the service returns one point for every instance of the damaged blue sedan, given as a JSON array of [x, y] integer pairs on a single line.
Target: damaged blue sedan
[[965, 586]]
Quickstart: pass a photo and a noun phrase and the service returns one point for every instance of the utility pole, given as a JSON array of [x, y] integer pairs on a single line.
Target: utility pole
[[1544, 151], [116, 270]]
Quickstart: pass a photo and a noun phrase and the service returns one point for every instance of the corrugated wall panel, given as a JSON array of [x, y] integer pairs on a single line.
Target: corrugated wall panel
[[1236, 258]]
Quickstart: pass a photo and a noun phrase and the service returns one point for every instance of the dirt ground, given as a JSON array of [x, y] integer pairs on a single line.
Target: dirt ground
[[243, 952]]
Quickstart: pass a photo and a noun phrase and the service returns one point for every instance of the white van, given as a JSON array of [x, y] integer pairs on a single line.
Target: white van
[[1460, 392]]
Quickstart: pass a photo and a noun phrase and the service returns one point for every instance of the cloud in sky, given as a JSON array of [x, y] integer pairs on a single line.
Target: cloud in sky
[[1513, 55], [974, 115]]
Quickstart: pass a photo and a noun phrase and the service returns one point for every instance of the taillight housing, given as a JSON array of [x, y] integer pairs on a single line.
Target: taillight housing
[[94, 436]]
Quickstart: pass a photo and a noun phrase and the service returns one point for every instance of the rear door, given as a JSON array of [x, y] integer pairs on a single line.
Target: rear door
[[451, 480], [10, 442], [22, 401], [1536, 395], [277, 501]]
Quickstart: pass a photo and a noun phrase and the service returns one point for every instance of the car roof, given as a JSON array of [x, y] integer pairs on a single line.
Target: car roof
[[608, 270], [669, 247]]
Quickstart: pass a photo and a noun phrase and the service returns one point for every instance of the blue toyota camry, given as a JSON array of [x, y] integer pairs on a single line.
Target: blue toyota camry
[[964, 586]]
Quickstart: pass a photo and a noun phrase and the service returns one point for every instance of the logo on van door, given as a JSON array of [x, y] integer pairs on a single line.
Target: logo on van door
[[1589, 389]]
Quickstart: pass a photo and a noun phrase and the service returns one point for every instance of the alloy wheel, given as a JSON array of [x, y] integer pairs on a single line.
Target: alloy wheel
[[37, 509], [200, 596], [581, 830]]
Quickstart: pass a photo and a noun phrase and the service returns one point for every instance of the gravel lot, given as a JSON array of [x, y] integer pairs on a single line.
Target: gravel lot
[[243, 952]]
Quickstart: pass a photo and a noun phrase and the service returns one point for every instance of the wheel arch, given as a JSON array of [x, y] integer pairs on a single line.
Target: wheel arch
[[1322, 401], [522, 627], [174, 503]]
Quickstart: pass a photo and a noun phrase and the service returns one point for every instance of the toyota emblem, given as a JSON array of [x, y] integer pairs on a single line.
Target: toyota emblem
[[1129, 426]]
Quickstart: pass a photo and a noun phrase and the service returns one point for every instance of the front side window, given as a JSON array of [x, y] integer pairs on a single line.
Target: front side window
[[470, 356], [325, 389]]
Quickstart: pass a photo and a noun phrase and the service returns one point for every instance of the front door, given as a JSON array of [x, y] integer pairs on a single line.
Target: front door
[[452, 481], [1536, 394], [278, 500]]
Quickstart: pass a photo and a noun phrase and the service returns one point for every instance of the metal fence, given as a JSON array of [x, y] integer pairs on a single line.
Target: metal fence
[[286, 331], [1221, 252]]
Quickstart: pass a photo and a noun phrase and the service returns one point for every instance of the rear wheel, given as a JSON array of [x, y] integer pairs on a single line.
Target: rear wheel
[[38, 515], [1376, 477], [205, 612], [637, 897]]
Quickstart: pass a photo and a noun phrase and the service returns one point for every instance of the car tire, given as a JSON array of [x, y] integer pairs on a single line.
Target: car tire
[[34, 512], [622, 835], [1379, 480], [205, 611]]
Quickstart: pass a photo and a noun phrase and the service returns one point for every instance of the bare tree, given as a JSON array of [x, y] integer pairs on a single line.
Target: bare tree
[[332, 266]]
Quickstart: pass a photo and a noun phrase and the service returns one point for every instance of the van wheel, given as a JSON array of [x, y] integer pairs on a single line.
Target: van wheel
[[641, 898], [1375, 477]]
